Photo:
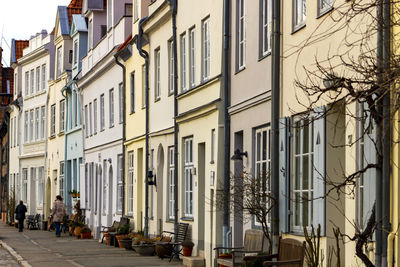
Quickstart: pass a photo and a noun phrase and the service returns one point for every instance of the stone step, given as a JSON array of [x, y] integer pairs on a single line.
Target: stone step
[[194, 261]]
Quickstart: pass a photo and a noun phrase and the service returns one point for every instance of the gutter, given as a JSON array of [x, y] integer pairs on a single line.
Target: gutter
[[123, 127], [145, 55], [275, 114], [63, 92], [227, 121]]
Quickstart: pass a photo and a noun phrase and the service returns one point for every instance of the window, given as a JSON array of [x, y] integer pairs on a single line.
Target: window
[[132, 95], [59, 61], [86, 121], [90, 46], [16, 84], [12, 134], [324, 6], [265, 26], [37, 79], [102, 120], [188, 177], [26, 127], [61, 182], [128, 10], [105, 185], [192, 58], [62, 115], [136, 14], [43, 76], [95, 116], [75, 109], [15, 131], [75, 52], [206, 49], [299, 13], [171, 184], [171, 60], [43, 121], [32, 81], [27, 83], [109, 13], [31, 126], [121, 102], [212, 145], [183, 63], [86, 184], [241, 35], [130, 182], [120, 184], [37, 124], [263, 162], [25, 185], [157, 82], [111, 106], [303, 174], [53, 120], [143, 86], [40, 186], [90, 119]]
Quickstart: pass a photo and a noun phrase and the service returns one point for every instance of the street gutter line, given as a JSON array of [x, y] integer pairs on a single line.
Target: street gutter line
[[15, 255]]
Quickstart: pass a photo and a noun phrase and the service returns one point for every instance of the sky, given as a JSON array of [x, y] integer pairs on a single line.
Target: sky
[[20, 19]]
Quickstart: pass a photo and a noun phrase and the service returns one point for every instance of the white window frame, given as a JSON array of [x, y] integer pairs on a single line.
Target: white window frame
[[265, 27], [102, 119], [171, 183], [40, 186], [62, 115], [324, 6], [15, 84], [121, 102], [241, 34], [157, 74], [188, 178], [37, 79], [43, 122], [136, 12], [53, 120], [120, 184], [111, 106], [31, 125], [32, 81], [59, 61], [105, 187], [44, 77], [95, 116], [61, 182], [26, 123], [131, 180], [86, 121], [171, 60], [192, 57], [90, 119], [183, 63], [109, 14], [26, 83], [143, 86], [206, 49], [37, 124], [25, 185], [75, 52], [299, 13]]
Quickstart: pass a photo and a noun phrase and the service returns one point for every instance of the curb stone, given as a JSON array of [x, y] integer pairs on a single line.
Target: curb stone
[[15, 255]]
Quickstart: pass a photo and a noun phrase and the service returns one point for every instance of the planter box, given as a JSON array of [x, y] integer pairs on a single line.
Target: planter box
[[145, 249], [126, 243], [163, 250]]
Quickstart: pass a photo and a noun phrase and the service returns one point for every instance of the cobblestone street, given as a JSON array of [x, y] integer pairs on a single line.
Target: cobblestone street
[[6, 259]]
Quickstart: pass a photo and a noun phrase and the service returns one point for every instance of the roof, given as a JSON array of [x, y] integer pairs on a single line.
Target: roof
[[64, 22], [125, 43], [79, 23], [17, 47], [74, 7]]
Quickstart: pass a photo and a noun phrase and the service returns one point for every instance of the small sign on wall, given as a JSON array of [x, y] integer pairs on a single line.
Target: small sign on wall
[[212, 178]]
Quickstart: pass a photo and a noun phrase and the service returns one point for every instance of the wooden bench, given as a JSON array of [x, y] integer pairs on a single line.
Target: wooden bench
[[253, 243], [123, 221], [176, 239], [290, 253]]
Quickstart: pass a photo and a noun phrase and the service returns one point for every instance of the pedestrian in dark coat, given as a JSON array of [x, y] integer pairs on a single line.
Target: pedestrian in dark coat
[[20, 215]]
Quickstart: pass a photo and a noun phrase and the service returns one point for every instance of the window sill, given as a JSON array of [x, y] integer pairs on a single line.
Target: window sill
[[240, 70], [170, 93], [112, 126], [60, 134], [325, 11], [297, 28], [264, 56], [187, 219], [169, 221], [52, 136], [157, 99]]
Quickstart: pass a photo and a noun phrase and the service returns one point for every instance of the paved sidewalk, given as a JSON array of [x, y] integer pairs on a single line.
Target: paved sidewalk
[[6, 259], [42, 248]]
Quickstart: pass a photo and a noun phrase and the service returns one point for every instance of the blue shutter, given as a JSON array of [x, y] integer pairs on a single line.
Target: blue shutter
[[319, 170], [370, 175], [284, 174]]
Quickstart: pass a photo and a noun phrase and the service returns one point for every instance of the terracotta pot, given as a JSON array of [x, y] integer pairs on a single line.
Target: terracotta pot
[[126, 243], [77, 231], [119, 238], [107, 238], [187, 251], [86, 235], [144, 249]]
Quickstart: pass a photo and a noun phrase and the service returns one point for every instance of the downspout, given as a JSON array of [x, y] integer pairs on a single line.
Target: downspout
[[8, 159], [145, 55], [275, 114], [123, 129], [378, 197], [227, 122], [66, 175], [174, 4], [386, 137]]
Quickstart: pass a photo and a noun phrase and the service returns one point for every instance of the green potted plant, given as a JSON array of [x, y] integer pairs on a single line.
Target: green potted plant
[[187, 248], [143, 245], [74, 193], [122, 233]]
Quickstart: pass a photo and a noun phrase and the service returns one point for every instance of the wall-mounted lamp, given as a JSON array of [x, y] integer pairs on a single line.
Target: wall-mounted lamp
[[237, 155], [110, 160], [151, 179]]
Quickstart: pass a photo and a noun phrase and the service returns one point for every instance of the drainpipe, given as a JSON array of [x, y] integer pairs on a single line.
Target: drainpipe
[[145, 55], [386, 136], [66, 175], [378, 197], [275, 114], [227, 122], [123, 129], [174, 4], [8, 159]]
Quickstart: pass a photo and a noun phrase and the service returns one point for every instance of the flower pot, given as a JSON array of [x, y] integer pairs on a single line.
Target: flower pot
[[144, 249], [187, 251], [107, 238], [163, 249], [126, 243], [77, 231], [86, 235], [119, 237]]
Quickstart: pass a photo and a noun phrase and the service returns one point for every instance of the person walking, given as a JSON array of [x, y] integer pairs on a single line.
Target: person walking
[[58, 213], [20, 215]]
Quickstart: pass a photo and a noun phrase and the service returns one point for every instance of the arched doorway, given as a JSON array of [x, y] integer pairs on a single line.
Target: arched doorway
[[160, 174]]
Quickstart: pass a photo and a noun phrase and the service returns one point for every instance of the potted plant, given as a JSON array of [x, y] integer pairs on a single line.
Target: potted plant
[[187, 248], [86, 233], [107, 237], [74, 193], [163, 247], [77, 228], [126, 242], [122, 233], [143, 245]]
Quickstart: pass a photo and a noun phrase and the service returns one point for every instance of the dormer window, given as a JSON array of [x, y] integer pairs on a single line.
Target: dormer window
[[75, 52], [59, 61]]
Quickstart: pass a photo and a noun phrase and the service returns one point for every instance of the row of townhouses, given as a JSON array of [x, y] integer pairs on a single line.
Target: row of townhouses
[[148, 108]]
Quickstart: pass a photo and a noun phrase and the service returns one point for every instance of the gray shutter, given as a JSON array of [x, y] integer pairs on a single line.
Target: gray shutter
[[82, 185], [370, 175], [319, 171], [284, 174]]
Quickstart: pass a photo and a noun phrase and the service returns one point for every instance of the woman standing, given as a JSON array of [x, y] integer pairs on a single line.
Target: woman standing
[[58, 213]]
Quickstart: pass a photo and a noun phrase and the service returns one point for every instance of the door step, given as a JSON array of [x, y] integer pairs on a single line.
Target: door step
[[194, 261]]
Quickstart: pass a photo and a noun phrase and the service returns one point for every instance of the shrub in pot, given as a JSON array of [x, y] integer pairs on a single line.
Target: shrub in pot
[[86, 233], [126, 242], [187, 248], [143, 245]]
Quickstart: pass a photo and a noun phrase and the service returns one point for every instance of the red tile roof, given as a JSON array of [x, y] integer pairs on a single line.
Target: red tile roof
[[125, 43], [75, 7], [19, 46]]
